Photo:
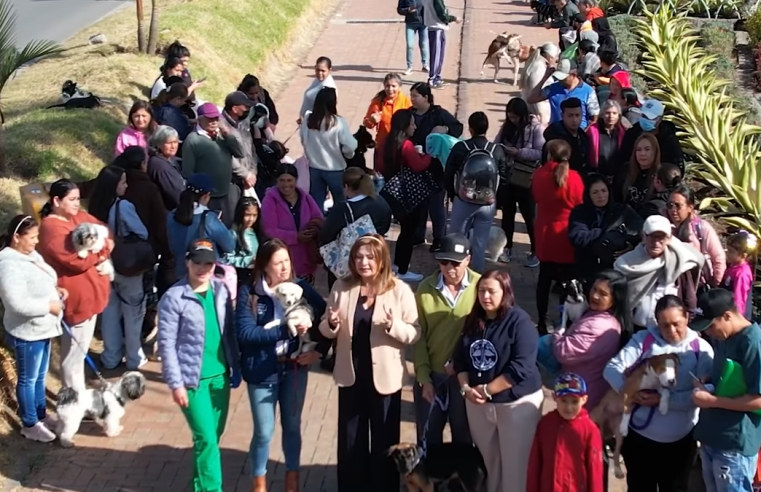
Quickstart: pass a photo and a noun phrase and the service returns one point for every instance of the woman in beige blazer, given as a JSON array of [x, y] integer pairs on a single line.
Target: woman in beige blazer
[[373, 316]]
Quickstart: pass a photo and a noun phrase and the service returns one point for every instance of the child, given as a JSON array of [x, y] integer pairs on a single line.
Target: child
[[567, 453], [739, 275], [246, 230]]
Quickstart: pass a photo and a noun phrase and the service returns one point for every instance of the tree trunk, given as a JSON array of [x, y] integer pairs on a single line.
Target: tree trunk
[[140, 30], [153, 30], [3, 153]]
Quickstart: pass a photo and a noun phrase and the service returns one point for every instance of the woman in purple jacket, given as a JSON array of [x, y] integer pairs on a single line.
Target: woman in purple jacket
[[522, 135]]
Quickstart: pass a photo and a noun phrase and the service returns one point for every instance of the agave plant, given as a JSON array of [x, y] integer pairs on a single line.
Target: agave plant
[[726, 148]]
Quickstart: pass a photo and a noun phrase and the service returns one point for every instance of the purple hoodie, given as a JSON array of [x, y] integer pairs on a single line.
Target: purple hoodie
[[530, 146]]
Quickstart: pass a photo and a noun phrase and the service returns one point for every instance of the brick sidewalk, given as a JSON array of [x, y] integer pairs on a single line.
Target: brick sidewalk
[[153, 454]]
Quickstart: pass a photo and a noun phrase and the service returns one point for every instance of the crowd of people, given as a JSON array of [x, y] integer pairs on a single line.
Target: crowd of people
[[215, 219]]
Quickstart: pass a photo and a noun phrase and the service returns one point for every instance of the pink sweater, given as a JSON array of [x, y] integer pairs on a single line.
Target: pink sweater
[[128, 137], [716, 257], [586, 347]]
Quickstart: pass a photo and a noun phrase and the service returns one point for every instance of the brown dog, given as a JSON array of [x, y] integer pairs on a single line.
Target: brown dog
[[506, 47], [443, 463]]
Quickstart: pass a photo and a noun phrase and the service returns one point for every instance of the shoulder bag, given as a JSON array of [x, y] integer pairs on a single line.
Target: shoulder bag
[[132, 255], [336, 253]]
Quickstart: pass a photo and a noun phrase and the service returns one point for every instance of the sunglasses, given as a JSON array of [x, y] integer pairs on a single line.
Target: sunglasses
[[450, 262]]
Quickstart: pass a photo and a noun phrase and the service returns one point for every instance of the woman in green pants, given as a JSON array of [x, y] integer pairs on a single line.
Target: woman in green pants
[[200, 358]]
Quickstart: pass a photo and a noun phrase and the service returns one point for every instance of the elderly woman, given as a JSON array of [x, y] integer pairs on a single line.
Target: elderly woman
[[373, 317], [164, 167], [659, 449], [605, 139], [139, 128], [32, 306], [382, 108], [660, 265], [533, 74]]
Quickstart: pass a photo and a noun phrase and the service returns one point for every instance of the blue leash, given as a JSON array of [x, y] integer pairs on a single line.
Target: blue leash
[[88, 359], [443, 405]]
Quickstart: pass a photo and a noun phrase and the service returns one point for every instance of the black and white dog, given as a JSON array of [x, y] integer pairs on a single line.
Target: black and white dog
[[105, 404], [73, 97], [575, 304]]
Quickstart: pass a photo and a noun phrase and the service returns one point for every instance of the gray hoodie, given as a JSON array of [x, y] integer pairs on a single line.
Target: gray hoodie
[[27, 285]]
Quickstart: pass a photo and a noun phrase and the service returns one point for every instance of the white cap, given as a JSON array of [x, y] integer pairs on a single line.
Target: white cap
[[657, 223], [562, 70]]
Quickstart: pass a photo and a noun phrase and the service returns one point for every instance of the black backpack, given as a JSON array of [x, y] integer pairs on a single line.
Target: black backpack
[[479, 178]]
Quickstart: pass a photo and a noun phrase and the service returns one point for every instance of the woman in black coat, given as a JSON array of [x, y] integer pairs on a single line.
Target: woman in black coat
[[601, 230]]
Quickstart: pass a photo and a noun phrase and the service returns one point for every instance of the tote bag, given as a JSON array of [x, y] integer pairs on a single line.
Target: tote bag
[[336, 253], [406, 190]]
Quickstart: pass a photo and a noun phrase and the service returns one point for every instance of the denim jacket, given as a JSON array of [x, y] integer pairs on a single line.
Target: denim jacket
[[182, 332], [254, 310]]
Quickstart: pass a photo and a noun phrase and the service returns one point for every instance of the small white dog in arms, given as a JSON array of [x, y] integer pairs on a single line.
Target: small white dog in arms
[[105, 404], [92, 238], [297, 314]]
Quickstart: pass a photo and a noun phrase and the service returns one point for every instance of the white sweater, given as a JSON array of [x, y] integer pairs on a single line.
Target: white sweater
[[326, 149], [311, 93]]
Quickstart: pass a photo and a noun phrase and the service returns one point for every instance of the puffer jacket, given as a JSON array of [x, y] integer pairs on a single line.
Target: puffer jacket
[[530, 144], [182, 331]]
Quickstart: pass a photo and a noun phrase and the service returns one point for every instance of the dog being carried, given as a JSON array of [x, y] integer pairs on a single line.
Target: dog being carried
[[297, 314], [91, 238]]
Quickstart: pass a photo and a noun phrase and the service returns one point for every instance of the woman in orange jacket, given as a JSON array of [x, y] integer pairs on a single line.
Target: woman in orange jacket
[[382, 108]]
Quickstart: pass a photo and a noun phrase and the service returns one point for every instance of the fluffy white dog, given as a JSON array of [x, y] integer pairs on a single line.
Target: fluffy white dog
[[91, 238], [105, 404], [297, 313]]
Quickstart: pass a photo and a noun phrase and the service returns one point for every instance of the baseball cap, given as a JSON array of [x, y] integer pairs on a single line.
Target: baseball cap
[[657, 223], [562, 70], [652, 109], [208, 110], [238, 98], [200, 183], [711, 305], [454, 247], [570, 384], [201, 251]]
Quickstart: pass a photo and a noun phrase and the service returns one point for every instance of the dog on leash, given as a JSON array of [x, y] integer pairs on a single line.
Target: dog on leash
[[91, 238], [506, 47], [613, 414], [105, 404], [575, 304], [442, 463]]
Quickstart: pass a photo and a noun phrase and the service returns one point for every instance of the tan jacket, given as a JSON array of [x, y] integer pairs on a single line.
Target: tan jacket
[[387, 347]]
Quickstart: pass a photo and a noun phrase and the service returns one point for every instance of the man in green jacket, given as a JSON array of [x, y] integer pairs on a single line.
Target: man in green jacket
[[444, 301]]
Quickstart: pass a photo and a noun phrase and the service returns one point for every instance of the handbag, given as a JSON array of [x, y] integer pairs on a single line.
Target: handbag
[[523, 173], [132, 255], [407, 189], [336, 253]]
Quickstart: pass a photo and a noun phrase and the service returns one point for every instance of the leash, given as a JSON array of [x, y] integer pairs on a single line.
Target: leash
[[443, 405], [88, 359], [292, 134], [648, 420]]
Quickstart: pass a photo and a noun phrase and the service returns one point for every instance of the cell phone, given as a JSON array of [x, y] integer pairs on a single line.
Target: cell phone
[[202, 79]]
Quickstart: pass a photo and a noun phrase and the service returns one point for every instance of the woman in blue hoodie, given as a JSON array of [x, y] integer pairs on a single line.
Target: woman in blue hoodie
[[275, 375], [659, 449]]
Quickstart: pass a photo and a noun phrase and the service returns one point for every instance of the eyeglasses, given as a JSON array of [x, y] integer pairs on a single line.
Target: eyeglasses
[[450, 262], [675, 206]]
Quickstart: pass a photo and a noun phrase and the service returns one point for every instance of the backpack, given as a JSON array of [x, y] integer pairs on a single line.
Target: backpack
[[225, 273], [479, 178]]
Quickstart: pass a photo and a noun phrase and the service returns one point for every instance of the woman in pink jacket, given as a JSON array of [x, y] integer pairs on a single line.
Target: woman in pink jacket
[[139, 129], [291, 215]]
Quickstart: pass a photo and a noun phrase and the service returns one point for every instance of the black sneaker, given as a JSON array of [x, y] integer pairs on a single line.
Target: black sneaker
[[436, 246]]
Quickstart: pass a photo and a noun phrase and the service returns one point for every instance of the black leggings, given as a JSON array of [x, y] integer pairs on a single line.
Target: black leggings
[[653, 466], [516, 197], [408, 226], [548, 271]]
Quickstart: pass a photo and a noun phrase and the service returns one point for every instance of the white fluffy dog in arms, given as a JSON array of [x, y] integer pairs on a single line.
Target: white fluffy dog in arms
[[105, 404], [91, 238], [297, 313]]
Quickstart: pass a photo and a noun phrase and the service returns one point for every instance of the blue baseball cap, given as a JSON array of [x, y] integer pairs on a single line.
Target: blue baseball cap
[[570, 384], [200, 183]]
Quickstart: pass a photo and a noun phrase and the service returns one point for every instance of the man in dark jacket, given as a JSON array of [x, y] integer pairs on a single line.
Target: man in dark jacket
[[465, 214], [569, 129], [652, 121], [412, 10]]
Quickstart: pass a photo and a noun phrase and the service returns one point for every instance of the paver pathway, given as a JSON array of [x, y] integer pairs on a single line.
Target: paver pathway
[[153, 453]]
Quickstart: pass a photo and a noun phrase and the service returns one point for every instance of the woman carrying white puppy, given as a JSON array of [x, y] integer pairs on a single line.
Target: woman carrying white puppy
[[274, 376], [659, 449]]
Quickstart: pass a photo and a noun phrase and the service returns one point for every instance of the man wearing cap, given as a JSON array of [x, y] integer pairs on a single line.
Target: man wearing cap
[[210, 149], [652, 121], [444, 300], [659, 265], [729, 428], [567, 84], [234, 121]]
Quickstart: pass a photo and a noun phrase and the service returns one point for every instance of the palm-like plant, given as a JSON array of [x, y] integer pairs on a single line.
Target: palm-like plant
[[11, 58]]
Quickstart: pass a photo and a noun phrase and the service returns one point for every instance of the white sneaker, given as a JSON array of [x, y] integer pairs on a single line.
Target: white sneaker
[[506, 255], [38, 433], [408, 71], [50, 423], [409, 277]]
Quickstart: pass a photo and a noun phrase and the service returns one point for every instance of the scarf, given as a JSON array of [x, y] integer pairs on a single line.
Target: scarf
[[643, 272]]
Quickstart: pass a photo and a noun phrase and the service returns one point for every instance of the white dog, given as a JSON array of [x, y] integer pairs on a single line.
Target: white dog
[[297, 313], [105, 404], [575, 304], [91, 238]]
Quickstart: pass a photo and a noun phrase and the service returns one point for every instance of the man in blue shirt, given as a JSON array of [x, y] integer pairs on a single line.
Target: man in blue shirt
[[567, 84], [729, 428]]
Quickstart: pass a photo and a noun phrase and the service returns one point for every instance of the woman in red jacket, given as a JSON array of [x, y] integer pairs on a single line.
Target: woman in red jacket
[[557, 190]]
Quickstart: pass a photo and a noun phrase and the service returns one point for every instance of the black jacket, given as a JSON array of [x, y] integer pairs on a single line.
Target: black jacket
[[656, 205], [338, 217], [458, 156], [671, 149], [274, 117], [425, 123], [579, 146], [412, 10], [635, 194], [167, 174]]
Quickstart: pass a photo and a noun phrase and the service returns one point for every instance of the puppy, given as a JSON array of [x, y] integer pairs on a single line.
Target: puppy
[[496, 243], [506, 47], [365, 142], [74, 97], [443, 463], [575, 304], [297, 313], [105, 404], [613, 414], [91, 238]]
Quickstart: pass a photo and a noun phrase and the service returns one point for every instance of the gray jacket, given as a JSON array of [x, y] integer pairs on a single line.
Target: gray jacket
[[241, 130], [27, 285], [182, 330]]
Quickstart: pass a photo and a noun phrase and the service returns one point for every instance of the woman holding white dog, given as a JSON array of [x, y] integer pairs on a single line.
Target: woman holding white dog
[[32, 302], [659, 449], [373, 316], [275, 373], [87, 287]]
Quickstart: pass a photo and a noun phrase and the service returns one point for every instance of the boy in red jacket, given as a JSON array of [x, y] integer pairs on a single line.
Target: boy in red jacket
[[567, 454]]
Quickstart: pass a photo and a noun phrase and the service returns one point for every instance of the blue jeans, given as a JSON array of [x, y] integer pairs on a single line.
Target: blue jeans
[[321, 181], [448, 390], [478, 217], [545, 359], [422, 34], [126, 308], [289, 392], [32, 362], [726, 471]]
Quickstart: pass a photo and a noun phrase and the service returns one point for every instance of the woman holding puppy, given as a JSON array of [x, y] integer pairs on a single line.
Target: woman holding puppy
[[373, 317], [275, 374]]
